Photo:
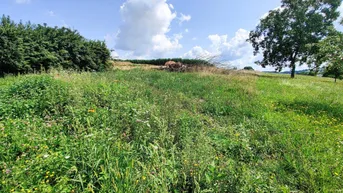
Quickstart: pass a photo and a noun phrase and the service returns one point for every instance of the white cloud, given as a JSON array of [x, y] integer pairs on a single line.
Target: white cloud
[[184, 18], [23, 1], [194, 38], [197, 52], [114, 54], [186, 30], [171, 6], [145, 27], [230, 52], [51, 14]]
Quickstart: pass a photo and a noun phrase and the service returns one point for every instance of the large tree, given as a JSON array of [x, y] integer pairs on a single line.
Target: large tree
[[331, 50], [284, 34]]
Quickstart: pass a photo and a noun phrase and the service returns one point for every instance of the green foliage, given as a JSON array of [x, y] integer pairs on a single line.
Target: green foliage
[[284, 34], [38, 95], [248, 68], [162, 61], [27, 48], [331, 51], [154, 131]]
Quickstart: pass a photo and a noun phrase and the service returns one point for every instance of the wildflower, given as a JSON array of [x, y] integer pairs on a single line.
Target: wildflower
[[237, 134], [143, 177], [196, 165], [67, 157], [45, 155], [8, 171], [336, 174], [91, 111]]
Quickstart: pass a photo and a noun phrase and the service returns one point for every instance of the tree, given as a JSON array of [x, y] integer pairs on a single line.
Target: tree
[[331, 50], [283, 35]]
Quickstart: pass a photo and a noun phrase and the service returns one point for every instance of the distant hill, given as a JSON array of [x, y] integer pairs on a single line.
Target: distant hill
[[289, 72]]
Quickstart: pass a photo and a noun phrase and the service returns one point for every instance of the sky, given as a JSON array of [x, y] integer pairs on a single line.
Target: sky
[[148, 29]]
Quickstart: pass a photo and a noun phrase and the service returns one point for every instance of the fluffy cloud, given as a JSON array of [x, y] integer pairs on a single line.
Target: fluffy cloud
[[230, 52], [197, 52], [171, 6], [22, 1], [51, 13], [184, 18], [145, 27]]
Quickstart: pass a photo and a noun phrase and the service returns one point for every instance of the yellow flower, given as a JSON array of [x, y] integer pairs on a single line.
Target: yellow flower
[[91, 111], [196, 165], [336, 174], [143, 177]]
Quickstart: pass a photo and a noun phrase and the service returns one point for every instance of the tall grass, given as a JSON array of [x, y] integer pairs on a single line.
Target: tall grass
[[154, 131]]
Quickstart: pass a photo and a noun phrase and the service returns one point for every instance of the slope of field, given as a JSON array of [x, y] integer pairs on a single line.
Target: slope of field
[[152, 131]]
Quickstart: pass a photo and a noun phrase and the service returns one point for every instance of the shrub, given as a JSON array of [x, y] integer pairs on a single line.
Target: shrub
[[248, 68], [27, 48]]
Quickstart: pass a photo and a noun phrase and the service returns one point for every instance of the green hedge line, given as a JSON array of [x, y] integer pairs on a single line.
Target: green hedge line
[[26, 48], [162, 61]]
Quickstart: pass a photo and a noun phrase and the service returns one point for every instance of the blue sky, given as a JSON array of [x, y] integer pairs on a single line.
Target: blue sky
[[155, 28]]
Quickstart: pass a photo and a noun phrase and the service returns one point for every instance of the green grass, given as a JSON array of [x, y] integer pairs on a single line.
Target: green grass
[[154, 131]]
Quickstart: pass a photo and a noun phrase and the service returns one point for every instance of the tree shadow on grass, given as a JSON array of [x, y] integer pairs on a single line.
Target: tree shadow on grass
[[315, 109]]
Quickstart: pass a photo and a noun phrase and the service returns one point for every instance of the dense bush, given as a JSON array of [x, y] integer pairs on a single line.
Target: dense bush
[[248, 68], [27, 48], [162, 61]]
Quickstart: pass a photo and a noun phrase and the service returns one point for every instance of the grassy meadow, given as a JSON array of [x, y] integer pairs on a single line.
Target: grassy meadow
[[144, 130]]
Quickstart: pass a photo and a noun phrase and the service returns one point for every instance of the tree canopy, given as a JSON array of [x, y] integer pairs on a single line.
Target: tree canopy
[[27, 48], [284, 34], [331, 52]]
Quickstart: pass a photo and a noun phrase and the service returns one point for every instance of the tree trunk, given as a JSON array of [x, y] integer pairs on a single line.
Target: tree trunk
[[293, 69], [293, 59]]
